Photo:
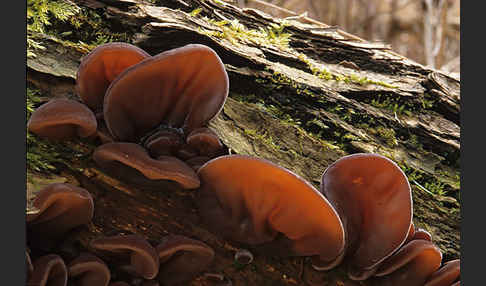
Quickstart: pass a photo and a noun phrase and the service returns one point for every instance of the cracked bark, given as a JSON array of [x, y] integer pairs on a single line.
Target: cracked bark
[[279, 109]]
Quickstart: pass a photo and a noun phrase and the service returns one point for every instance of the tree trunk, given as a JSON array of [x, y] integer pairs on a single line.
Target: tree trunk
[[301, 101]]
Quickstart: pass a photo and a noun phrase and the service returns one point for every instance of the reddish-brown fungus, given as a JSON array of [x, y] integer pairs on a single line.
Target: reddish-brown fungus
[[61, 208], [28, 263], [182, 259], [62, 119], [373, 198], [144, 260], [49, 270], [447, 275], [101, 66], [181, 88], [88, 270], [131, 162], [163, 143], [411, 265], [205, 141], [254, 201]]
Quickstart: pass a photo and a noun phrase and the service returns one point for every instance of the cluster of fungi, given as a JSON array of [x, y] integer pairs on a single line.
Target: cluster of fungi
[[150, 115]]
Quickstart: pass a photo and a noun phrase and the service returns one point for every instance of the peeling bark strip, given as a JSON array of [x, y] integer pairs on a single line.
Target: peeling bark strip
[[301, 96]]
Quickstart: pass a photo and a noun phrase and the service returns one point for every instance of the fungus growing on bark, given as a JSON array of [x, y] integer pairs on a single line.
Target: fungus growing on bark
[[180, 88], [88, 270], [62, 119], [164, 142], [101, 66], [49, 270], [254, 201], [131, 161], [411, 265], [61, 208], [373, 199], [182, 259], [133, 253], [205, 142], [448, 274]]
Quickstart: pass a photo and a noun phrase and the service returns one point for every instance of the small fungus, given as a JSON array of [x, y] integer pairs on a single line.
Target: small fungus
[[243, 257], [131, 161], [205, 141], [62, 207], [62, 119], [411, 265], [49, 270], [88, 270], [182, 259], [143, 259], [448, 274]]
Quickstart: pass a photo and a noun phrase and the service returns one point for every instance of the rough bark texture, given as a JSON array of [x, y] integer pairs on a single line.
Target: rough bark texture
[[301, 104]]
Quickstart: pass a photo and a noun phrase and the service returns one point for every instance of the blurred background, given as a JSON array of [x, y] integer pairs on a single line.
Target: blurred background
[[426, 31]]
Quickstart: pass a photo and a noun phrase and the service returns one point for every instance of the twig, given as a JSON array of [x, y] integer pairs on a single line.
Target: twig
[[423, 189]]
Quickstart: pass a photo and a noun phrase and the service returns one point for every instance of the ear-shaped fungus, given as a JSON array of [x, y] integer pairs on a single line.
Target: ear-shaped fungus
[[143, 259], [411, 265], [205, 141], [373, 199], [62, 207], [184, 87], [131, 161], [49, 270], [87, 270], [62, 119], [101, 66], [164, 142], [182, 259], [447, 275], [254, 201]]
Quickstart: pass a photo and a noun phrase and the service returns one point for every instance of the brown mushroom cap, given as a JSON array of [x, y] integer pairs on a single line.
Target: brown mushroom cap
[[131, 161], [411, 265], [49, 270], [87, 270], [143, 258], [205, 141], [446, 275], [62, 207], [101, 66], [197, 162], [184, 87], [253, 201], [163, 143], [62, 119], [182, 259], [373, 199]]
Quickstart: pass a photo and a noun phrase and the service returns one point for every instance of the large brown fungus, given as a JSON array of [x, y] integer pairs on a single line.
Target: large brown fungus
[[373, 199], [62, 119], [254, 201], [101, 66], [447, 275], [179, 88]]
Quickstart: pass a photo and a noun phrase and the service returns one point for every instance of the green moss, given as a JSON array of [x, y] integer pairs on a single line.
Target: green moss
[[237, 33], [323, 73]]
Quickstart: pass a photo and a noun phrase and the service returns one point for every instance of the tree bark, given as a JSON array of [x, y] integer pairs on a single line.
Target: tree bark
[[301, 105]]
